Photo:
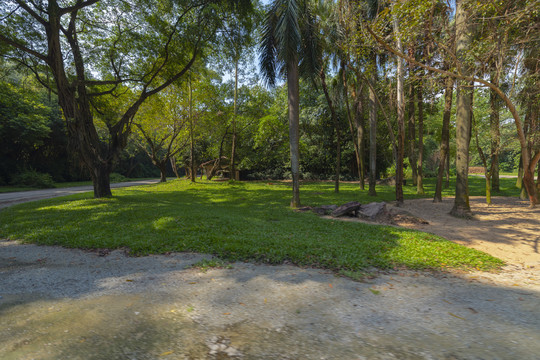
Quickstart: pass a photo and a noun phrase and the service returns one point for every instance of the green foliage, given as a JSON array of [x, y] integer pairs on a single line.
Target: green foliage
[[251, 222], [116, 178], [34, 179]]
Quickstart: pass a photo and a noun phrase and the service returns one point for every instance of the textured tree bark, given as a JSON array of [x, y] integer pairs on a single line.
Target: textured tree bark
[[463, 119], [400, 119], [233, 143], [193, 169], [360, 130], [336, 127], [162, 170], [357, 129], [495, 135], [412, 133], [445, 139], [373, 132], [420, 174], [293, 90]]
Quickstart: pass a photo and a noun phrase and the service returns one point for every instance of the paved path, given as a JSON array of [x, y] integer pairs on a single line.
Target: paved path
[[12, 198]]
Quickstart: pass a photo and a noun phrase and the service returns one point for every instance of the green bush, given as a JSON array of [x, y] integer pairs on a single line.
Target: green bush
[[32, 178], [116, 178]]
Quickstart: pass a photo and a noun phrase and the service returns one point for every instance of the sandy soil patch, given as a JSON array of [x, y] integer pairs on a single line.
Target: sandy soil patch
[[507, 229]]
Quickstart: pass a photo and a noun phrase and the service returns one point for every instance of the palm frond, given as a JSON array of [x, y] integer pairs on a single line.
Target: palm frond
[[312, 46], [287, 32], [268, 48]]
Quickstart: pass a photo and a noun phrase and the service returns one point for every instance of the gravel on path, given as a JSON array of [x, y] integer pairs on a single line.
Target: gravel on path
[[61, 303]]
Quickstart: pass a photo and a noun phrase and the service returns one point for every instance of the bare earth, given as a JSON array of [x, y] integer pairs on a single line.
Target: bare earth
[[60, 303], [507, 229]]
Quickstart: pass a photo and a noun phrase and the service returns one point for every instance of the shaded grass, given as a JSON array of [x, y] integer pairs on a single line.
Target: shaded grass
[[67, 184], [237, 221]]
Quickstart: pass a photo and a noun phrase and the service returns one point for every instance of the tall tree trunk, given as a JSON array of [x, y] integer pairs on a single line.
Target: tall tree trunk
[[412, 132], [444, 151], [360, 130], [447, 170], [336, 127], [357, 129], [193, 171], [419, 172], [373, 132], [495, 134], [293, 90], [463, 118], [233, 144], [174, 167], [400, 118]]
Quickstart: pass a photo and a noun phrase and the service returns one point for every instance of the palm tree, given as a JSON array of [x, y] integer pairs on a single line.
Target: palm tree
[[289, 47]]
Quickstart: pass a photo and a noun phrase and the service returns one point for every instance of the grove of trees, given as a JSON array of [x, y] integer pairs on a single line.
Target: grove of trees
[[347, 90]]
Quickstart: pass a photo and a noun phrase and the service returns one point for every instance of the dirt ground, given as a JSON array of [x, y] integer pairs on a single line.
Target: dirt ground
[[507, 229], [58, 303]]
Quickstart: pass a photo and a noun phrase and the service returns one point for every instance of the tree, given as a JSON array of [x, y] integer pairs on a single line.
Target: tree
[[94, 48], [288, 40], [519, 18], [161, 128]]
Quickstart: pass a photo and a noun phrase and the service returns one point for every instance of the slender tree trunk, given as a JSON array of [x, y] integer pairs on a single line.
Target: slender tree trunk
[[445, 138], [336, 127], [294, 127], [357, 129], [412, 133], [233, 145], [495, 135], [447, 170], [360, 130], [373, 133], [420, 174], [400, 118], [174, 167], [193, 171], [463, 119]]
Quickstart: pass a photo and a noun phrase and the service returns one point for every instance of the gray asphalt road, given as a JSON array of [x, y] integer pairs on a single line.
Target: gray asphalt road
[[8, 199]]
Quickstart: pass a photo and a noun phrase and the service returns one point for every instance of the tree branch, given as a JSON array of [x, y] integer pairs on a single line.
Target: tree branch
[[79, 5], [32, 13], [22, 47]]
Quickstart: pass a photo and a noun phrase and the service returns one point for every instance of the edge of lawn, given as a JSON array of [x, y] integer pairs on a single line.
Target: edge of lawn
[[251, 222]]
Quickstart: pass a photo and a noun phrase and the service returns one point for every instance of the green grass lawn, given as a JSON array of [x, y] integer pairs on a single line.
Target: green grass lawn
[[248, 221]]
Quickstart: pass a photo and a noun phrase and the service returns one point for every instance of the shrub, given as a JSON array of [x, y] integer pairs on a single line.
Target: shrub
[[32, 178], [116, 178]]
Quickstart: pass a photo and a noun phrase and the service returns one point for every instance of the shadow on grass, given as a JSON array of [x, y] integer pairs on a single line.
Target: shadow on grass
[[240, 222]]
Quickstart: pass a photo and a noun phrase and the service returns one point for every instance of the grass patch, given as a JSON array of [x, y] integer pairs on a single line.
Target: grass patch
[[236, 222]]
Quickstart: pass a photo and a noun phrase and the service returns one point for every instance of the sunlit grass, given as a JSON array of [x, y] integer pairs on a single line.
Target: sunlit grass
[[237, 221]]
